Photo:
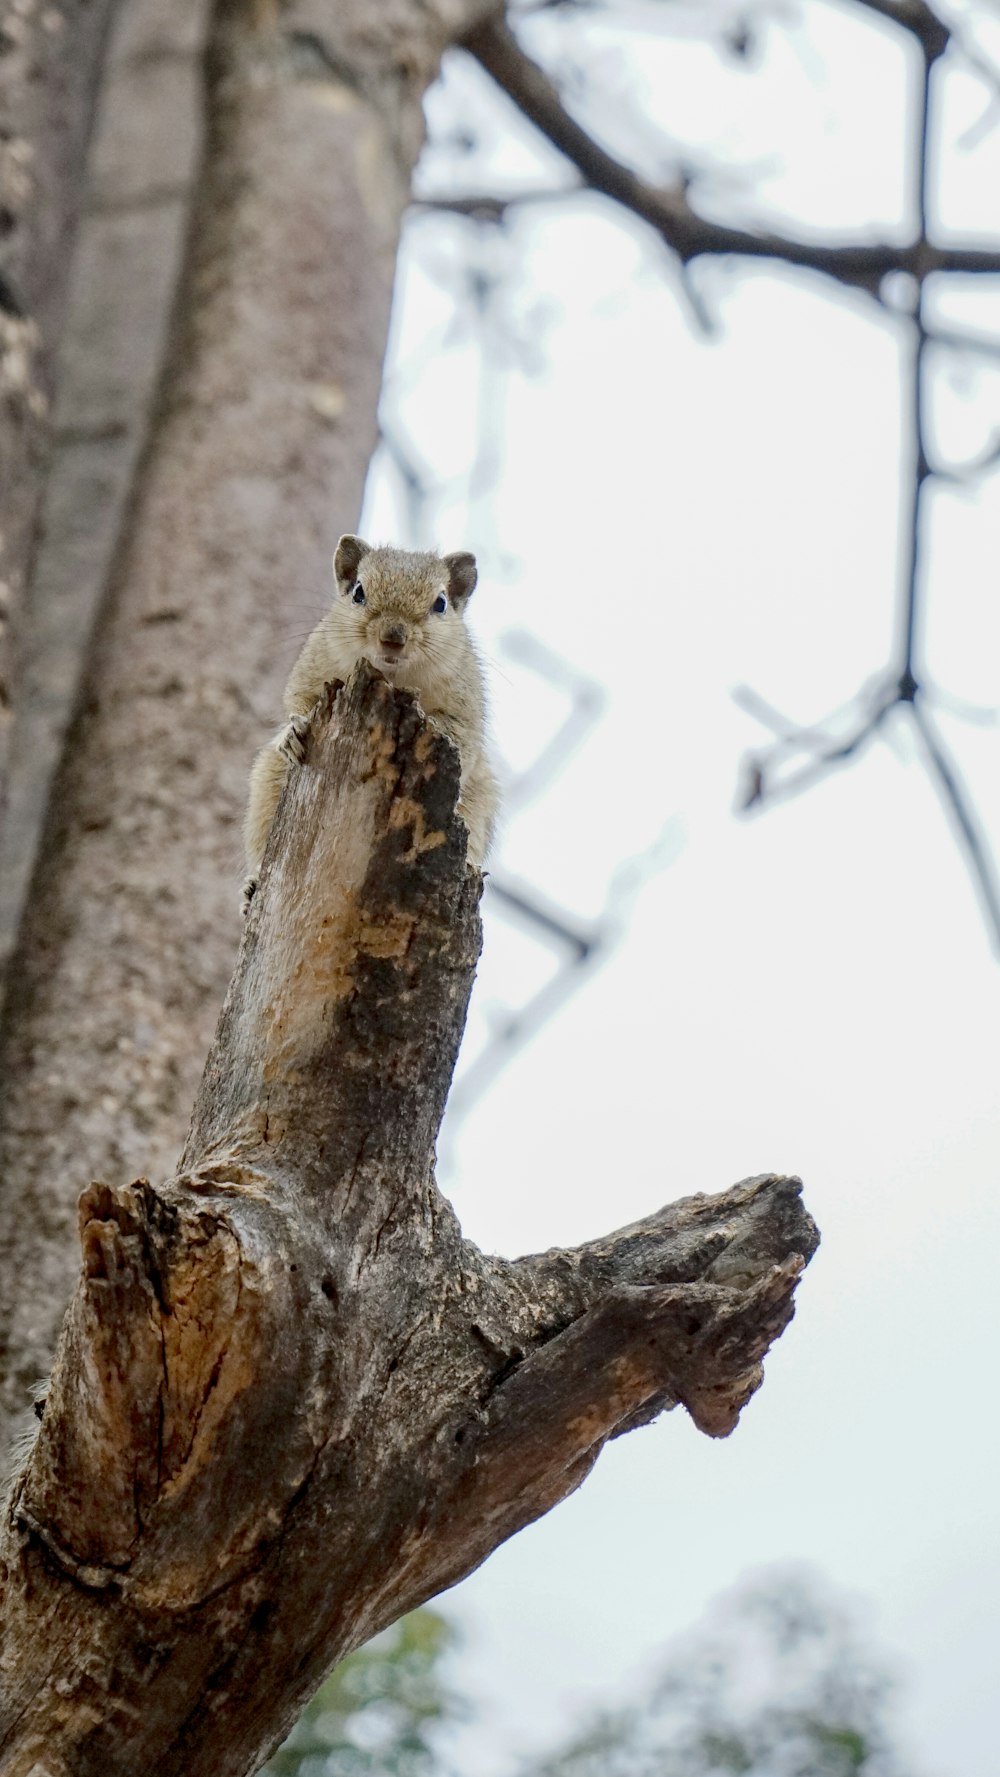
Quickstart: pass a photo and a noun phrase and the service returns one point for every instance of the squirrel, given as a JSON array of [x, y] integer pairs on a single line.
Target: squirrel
[[405, 612]]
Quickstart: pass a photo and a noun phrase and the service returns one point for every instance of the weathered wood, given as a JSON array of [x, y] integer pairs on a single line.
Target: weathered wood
[[256, 460], [291, 1400]]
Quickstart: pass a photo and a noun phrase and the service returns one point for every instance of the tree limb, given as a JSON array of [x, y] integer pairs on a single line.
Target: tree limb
[[290, 1400], [669, 211], [958, 805], [918, 18], [129, 935]]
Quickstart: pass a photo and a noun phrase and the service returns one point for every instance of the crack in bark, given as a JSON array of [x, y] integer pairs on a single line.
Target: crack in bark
[[327, 1403]]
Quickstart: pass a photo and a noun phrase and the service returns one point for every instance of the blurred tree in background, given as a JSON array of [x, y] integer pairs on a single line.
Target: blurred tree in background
[[375, 1715], [780, 1682]]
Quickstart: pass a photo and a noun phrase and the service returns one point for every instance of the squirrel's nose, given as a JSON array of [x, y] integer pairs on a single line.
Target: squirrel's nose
[[393, 640]]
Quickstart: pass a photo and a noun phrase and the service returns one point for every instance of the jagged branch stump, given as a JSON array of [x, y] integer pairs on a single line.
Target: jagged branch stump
[[290, 1400]]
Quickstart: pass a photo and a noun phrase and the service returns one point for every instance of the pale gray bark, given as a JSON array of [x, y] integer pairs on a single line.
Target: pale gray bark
[[50, 60], [143, 166], [291, 1401], [258, 460]]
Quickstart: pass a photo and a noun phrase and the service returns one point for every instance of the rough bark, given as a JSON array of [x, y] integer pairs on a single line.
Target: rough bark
[[50, 59], [258, 458], [290, 1400]]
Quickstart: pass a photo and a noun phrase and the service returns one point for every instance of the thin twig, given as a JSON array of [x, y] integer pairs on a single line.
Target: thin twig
[[955, 339], [549, 920], [921, 465], [585, 701], [493, 207], [583, 948], [761, 785], [787, 733], [980, 715], [981, 464], [944, 775]]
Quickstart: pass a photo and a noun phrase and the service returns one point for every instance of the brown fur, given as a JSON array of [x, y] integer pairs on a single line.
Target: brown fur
[[398, 631]]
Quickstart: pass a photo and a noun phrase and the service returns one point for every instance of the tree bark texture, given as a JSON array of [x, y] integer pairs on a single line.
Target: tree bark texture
[[50, 60], [263, 433], [142, 169], [290, 1401]]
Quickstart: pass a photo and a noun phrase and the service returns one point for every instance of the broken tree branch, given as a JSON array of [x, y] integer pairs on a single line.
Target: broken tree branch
[[290, 1400]]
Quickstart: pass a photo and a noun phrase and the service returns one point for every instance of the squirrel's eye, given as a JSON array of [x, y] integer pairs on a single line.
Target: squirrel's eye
[[440, 604], [358, 595]]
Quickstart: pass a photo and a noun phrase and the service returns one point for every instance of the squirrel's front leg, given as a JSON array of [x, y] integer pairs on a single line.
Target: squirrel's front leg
[[290, 741], [270, 769]]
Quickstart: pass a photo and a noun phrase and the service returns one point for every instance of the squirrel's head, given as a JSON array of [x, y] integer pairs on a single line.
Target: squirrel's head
[[400, 605]]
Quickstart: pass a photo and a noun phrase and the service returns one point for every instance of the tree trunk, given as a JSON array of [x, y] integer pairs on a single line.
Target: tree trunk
[[290, 1400], [258, 459], [142, 169], [50, 61]]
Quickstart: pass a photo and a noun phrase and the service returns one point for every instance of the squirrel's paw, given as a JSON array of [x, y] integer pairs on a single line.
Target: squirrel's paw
[[249, 890], [292, 742]]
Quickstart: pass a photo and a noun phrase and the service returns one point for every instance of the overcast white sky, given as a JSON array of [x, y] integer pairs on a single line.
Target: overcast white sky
[[809, 990]]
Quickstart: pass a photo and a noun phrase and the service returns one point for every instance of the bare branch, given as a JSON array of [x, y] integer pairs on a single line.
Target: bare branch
[[793, 736], [903, 686], [982, 464], [761, 783], [916, 17], [958, 804], [552, 921], [585, 697], [669, 210], [964, 46], [582, 948], [957, 339], [493, 207], [980, 715], [920, 469]]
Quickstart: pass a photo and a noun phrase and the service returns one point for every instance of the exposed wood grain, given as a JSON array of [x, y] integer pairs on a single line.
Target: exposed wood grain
[[291, 1400], [133, 922]]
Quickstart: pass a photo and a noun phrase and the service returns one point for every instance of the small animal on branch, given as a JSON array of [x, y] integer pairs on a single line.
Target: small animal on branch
[[403, 611]]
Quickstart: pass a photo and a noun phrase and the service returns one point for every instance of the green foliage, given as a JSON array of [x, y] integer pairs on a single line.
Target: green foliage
[[373, 1716], [780, 1684]]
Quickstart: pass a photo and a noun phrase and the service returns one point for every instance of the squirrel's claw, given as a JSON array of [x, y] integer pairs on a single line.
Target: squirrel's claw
[[292, 744]]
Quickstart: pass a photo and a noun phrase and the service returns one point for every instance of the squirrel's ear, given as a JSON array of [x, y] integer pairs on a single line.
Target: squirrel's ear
[[462, 576], [347, 558]]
